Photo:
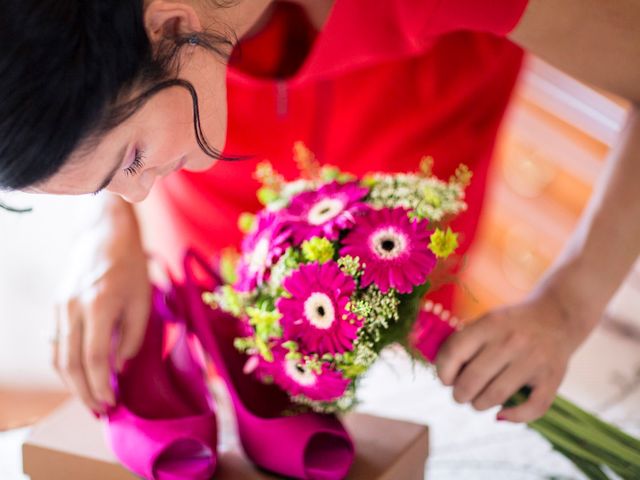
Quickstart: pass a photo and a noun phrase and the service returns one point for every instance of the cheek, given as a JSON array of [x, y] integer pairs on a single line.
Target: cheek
[[167, 134], [212, 92], [176, 140], [178, 127]]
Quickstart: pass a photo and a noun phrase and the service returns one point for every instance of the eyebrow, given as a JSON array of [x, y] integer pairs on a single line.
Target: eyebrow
[[109, 178]]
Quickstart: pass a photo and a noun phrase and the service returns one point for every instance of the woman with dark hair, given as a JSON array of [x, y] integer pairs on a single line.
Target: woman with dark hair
[[114, 95]]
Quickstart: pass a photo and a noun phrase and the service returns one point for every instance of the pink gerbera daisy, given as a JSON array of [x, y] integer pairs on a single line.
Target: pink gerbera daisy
[[296, 379], [324, 212], [261, 249], [315, 315], [394, 249]]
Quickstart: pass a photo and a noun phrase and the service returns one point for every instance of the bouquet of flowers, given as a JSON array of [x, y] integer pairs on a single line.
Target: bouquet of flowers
[[336, 268]]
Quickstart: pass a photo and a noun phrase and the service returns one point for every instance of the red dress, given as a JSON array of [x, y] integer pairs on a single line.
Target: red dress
[[384, 83]]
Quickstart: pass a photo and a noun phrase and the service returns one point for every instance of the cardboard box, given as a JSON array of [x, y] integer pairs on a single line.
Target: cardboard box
[[69, 445]]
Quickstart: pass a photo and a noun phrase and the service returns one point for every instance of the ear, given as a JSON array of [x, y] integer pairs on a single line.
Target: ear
[[165, 19]]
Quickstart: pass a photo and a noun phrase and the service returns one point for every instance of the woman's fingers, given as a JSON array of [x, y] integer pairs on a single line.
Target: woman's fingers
[[70, 355], [460, 348], [479, 372], [110, 275], [96, 336], [100, 319], [132, 331], [542, 395], [503, 386]]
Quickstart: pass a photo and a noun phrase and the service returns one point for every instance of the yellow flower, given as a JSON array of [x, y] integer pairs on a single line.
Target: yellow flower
[[266, 195], [246, 222], [443, 243], [229, 259], [317, 249], [368, 181], [329, 173]]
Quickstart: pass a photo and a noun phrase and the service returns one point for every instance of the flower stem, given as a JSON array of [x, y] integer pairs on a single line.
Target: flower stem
[[590, 443]]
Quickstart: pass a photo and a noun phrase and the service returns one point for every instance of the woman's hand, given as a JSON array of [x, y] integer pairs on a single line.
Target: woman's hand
[[102, 321], [527, 344]]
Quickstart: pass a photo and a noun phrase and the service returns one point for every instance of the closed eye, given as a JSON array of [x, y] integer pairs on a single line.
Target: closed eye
[[137, 164]]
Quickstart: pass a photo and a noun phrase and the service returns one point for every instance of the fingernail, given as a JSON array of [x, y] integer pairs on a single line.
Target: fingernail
[[96, 414], [501, 418]]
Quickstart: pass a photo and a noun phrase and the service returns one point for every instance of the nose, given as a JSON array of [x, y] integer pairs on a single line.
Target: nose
[[135, 191], [135, 197]]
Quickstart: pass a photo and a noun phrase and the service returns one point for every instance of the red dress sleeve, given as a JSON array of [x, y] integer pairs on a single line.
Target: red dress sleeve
[[493, 16], [360, 33], [427, 19]]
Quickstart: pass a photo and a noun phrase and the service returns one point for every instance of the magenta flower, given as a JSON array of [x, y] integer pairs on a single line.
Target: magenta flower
[[261, 249], [315, 315], [394, 249], [296, 379], [429, 333], [326, 211]]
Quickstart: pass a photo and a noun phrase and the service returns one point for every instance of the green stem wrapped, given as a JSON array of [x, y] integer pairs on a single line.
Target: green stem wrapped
[[590, 443]]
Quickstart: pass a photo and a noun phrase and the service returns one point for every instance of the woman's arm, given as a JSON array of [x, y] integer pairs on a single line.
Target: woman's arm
[[595, 41], [530, 343], [110, 297], [606, 242]]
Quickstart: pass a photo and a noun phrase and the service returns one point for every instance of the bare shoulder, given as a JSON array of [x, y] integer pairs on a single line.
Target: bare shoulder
[[594, 40]]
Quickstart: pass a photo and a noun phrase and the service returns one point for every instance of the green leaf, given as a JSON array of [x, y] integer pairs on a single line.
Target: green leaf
[[408, 310]]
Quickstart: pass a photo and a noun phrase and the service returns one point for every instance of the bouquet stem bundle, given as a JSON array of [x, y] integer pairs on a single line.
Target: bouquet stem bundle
[[592, 445]]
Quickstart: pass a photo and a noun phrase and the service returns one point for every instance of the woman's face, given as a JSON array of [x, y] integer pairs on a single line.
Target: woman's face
[[159, 138]]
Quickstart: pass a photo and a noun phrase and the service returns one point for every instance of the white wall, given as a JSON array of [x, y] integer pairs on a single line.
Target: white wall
[[34, 249]]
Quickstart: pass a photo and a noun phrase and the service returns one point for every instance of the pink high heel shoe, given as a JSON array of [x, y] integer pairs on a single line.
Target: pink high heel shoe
[[164, 426], [306, 446]]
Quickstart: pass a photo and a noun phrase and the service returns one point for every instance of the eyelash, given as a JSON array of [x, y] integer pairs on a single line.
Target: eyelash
[[136, 166]]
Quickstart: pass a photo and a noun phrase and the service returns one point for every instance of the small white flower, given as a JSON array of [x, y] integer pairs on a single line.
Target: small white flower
[[257, 259]]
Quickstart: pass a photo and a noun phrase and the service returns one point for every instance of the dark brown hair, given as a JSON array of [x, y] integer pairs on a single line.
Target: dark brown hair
[[65, 65]]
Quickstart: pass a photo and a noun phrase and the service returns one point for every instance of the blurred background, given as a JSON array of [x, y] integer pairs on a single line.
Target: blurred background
[[35, 249], [551, 150]]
